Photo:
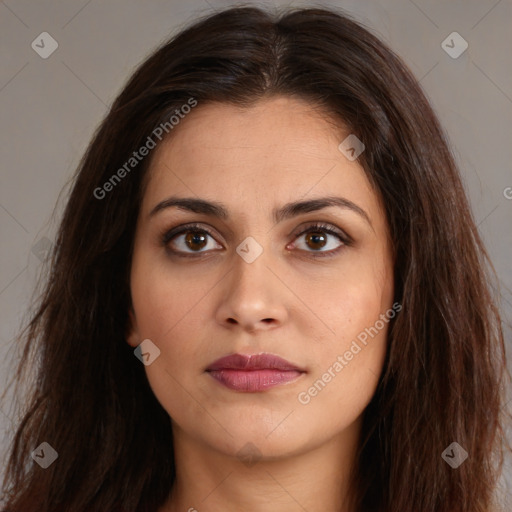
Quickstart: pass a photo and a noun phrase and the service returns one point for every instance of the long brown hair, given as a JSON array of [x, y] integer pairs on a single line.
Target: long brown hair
[[444, 368]]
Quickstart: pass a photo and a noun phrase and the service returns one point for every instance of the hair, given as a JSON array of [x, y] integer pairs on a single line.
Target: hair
[[445, 364]]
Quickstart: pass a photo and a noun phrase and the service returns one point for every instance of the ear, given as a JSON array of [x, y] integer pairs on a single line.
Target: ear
[[132, 333]]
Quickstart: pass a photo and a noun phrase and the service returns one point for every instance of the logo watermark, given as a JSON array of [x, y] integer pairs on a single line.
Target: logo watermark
[[454, 455]]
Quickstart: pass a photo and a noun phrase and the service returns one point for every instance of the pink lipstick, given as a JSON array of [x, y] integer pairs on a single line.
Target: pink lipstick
[[253, 373]]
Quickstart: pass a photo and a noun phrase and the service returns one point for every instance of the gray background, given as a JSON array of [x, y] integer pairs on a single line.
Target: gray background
[[50, 107]]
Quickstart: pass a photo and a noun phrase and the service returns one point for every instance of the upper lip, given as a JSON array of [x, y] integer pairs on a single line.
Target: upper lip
[[252, 362]]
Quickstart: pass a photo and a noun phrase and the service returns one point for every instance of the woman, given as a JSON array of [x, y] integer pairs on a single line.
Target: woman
[[268, 292]]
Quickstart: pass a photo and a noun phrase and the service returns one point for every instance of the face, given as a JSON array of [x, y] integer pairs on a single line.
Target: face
[[300, 296]]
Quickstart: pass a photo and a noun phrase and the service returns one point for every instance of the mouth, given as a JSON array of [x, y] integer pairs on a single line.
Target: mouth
[[253, 373]]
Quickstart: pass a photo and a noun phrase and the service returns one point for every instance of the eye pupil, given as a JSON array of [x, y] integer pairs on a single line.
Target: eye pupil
[[193, 238], [315, 237]]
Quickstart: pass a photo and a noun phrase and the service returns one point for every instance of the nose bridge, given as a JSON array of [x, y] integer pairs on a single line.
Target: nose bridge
[[251, 275], [251, 294]]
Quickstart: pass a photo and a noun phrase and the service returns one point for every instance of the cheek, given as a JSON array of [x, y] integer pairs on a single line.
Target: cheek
[[349, 361], [166, 304], [360, 336], [354, 303], [163, 296]]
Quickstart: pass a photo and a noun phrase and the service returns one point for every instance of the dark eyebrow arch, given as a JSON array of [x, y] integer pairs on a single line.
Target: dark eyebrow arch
[[289, 210]]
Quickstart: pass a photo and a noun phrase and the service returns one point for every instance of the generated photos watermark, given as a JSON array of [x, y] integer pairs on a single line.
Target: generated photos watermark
[[143, 151], [304, 397]]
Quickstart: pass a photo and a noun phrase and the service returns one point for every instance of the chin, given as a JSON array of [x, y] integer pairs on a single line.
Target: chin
[[258, 441]]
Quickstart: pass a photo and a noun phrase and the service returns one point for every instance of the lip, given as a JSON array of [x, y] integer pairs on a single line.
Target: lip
[[253, 373]]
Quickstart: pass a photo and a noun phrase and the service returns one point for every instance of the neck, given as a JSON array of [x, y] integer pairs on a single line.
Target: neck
[[314, 480]]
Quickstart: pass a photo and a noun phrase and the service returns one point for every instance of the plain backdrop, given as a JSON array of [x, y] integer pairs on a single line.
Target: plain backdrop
[[49, 108]]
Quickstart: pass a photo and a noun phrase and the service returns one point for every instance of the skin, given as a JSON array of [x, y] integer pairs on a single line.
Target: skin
[[304, 309]]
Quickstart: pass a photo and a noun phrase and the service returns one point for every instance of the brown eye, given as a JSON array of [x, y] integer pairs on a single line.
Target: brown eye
[[192, 240], [319, 239], [189, 240], [195, 240], [316, 240]]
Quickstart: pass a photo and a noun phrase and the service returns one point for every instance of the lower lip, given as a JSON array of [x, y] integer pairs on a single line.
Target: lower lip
[[254, 380]]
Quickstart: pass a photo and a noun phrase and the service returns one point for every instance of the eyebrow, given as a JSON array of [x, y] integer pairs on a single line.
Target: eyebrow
[[289, 210]]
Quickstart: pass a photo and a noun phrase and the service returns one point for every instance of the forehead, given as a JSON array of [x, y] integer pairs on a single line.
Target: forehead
[[278, 150], [274, 126]]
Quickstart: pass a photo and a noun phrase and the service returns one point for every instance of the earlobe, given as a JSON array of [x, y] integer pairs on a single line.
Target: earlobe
[[132, 333]]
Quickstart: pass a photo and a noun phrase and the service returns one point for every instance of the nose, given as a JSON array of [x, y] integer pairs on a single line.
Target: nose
[[253, 296]]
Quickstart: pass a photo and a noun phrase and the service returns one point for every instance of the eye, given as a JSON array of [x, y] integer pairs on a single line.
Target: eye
[[188, 240], [317, 238], [191, 239]]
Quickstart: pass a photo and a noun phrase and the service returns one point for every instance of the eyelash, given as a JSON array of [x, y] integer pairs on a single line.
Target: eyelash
[[167, 236]]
